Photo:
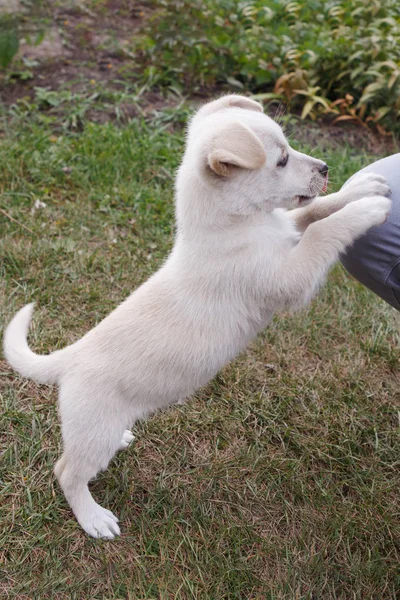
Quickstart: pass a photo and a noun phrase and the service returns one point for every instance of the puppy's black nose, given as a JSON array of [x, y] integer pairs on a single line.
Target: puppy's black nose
[[324, 169]]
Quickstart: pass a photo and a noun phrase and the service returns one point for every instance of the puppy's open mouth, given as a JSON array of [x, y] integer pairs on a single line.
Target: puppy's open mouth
[[303, 199]]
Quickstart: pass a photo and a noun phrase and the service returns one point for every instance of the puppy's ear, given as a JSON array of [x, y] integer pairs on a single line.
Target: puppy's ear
[[226, 102], [243, 102], [235, 145]]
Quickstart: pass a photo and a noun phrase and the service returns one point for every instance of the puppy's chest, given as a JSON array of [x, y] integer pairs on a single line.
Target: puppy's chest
[[294, 238], [280, 235]]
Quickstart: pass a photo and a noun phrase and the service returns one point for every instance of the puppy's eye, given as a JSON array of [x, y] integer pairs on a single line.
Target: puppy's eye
[[283, 161]]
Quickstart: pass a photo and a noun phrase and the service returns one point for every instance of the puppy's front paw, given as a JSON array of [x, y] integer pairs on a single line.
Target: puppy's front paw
[[378, 209], [368, 212], [365, 185]]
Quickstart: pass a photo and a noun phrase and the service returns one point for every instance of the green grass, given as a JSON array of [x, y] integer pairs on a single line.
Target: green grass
[[279, 480]]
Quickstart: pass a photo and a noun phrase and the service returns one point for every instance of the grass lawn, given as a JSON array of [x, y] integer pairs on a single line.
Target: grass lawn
[[278, 480]]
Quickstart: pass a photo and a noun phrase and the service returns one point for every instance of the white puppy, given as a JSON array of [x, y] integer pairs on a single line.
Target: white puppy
[[239, 256]]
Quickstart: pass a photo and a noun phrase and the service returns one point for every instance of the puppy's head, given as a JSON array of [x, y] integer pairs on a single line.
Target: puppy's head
[[245, 157]]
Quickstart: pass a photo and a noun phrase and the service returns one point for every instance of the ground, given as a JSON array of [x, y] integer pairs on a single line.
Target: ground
[[280, 479]]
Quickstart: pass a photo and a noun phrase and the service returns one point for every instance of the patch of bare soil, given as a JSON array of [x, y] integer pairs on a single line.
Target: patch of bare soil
[[79, 46], [322, 135]]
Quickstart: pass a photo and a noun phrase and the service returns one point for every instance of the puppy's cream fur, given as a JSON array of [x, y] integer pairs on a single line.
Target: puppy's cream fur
[[239, 256]]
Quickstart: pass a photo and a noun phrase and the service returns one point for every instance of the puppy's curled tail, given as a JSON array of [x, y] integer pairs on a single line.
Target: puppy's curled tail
[[43, 369]]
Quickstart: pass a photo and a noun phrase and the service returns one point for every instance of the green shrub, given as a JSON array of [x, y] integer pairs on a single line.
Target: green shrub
[[341, 57]]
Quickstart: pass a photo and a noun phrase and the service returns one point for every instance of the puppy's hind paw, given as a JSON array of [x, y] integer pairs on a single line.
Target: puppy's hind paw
[[99, 522], [127, 439]]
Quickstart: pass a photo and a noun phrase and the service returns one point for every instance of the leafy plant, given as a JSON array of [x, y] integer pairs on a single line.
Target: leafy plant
[[9, 40], [26, 21], [311, 54]]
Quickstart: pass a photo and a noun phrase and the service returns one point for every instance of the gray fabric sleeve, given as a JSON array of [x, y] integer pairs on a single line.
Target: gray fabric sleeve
[[374, 259]]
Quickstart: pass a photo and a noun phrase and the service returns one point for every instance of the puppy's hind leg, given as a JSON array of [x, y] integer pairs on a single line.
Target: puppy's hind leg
[[93, 518], [93, 430]]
